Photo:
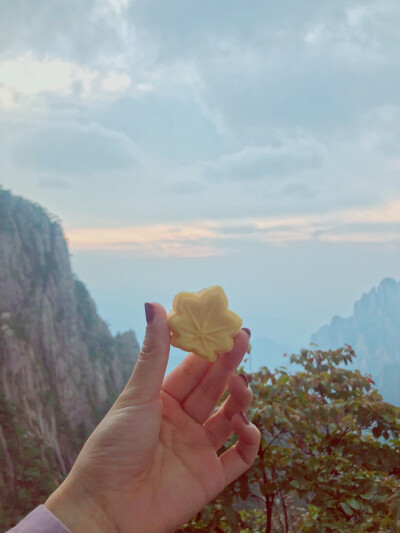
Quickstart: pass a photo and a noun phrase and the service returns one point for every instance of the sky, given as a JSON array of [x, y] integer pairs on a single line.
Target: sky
[[184, 144]]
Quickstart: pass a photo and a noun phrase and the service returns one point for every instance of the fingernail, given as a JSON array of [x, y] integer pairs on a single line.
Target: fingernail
[[149, 310], [245, 379], [245, 419], [247, 331]]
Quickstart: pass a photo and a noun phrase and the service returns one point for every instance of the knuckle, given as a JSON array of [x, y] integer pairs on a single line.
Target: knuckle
[[210, 388], [151, 348]]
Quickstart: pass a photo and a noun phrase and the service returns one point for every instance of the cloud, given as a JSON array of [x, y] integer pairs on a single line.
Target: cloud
[[299, 190], [167, 126], [70, 29], [389, 213], [118, 5], [242, 111], [51, 183], [27, 77], [277, 78], [279, 160], [155, 240], [355, 37], [361, 237], [73, 149], [184, 187], [380, 130], [211, 237]]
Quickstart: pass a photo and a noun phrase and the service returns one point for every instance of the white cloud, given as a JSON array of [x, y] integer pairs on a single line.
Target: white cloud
[[118, 5], [207, 99], [52, 183], [375, 12], [117, 82], [389, 213], [285, 156], [209, 237], [72, 149], [189, 240], [315, 35], [356, 16], [27, 76], [356, 35], [6, 97]]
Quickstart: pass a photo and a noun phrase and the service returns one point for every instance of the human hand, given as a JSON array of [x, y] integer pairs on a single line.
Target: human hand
[[152, 462]]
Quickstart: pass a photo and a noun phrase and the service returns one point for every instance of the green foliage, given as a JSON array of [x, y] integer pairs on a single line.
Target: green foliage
[[80, 435], [99, 342], [27, 474], [329, 459], [5, 219], [19, 325], [43, 271], [83, 305]]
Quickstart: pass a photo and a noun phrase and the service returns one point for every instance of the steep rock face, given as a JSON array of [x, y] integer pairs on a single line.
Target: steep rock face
[[59, 365], [374, 333]]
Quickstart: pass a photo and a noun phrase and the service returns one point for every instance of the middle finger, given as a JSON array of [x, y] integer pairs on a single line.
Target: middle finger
[[201, 401]]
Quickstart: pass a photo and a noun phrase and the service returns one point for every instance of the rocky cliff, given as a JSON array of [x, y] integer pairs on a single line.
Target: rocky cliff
[[60, 367], [374, 333]]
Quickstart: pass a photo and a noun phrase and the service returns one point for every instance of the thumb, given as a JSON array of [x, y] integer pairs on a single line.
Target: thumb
[[145, 382]]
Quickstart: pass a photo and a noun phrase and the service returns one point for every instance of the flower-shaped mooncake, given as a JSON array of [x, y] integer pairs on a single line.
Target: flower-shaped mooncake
[[200, 322]]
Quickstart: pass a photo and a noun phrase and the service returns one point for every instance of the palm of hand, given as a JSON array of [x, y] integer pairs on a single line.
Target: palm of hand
[[173, 472]]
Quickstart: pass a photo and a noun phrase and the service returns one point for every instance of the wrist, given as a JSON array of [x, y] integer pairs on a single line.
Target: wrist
[[79, 512]]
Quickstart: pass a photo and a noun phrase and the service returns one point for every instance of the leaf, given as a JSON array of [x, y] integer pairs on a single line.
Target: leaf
[[377, 432], [333, 413], [231, 516], [332, 428], [354, 504], [283, 379], [346, 508], [367, 496], [396, 511]]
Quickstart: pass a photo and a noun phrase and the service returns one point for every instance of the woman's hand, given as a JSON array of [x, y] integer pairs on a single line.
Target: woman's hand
[[152, 462]]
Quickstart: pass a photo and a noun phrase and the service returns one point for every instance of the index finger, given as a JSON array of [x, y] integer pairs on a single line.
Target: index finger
[[193, 371], [183, 379]]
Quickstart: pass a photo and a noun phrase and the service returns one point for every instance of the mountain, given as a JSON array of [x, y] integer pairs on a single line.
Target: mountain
[[60, 367], [374, 332], [266, 352]]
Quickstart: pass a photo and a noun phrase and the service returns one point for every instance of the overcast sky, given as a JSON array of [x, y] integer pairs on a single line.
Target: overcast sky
[[189, 143]]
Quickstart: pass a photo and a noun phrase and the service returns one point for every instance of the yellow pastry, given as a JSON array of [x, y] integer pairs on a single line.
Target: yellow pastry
[[200, 322]]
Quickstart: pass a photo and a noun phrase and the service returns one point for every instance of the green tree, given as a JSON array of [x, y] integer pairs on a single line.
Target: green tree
[[28, 473], [329, 459]]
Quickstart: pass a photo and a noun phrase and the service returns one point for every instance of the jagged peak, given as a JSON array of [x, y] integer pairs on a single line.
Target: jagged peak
[[28, 206], [389, 283], [388, 290]]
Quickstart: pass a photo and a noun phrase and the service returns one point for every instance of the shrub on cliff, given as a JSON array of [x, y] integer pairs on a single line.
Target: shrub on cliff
[[28, 473]]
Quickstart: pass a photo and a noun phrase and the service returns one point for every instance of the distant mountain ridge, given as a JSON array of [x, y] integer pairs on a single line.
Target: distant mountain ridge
[[266, 352], [60, 367], [374, 332]]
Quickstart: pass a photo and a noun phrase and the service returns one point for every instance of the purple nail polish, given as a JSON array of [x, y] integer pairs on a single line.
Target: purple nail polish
[[149, 310], [245, 419], [247, 331], [245, 379]]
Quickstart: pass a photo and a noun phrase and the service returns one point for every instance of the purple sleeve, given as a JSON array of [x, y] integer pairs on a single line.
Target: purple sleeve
[[40, 520]]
